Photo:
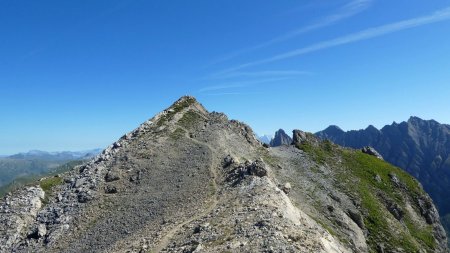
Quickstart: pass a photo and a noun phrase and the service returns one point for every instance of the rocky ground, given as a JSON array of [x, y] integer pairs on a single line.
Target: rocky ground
[[193, 181]]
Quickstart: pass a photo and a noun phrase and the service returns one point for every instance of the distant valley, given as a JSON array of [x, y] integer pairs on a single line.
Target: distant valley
[[23, 166]]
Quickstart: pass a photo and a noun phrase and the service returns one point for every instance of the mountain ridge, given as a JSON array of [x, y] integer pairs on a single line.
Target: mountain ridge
[[188, 180], [55, 155]]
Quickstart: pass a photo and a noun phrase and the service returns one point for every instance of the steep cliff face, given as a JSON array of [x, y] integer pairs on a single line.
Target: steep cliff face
[[420, 147], [193, 181], [281, 138]]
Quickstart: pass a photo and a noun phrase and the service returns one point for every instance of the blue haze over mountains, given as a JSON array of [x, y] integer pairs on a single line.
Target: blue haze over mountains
[[36, 162], [55, 156]]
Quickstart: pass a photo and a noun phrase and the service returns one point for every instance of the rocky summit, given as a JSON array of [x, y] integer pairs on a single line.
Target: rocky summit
[[189, 180], [281, 138]]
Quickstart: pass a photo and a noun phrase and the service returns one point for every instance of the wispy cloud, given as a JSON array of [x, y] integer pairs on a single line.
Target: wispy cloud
[[232, 93], [242, 84], [222, 87], [348, 10], [265, 73], [438, 16]]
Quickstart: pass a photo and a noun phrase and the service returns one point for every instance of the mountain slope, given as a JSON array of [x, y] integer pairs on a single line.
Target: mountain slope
[[193, 181], [420, 147]]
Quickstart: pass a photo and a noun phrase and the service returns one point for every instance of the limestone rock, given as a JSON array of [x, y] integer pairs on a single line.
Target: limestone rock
[[280, 138], [371, 151]]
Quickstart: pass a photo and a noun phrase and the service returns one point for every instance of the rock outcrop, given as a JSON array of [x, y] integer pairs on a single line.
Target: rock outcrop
[[281, 138], [192, 181], [371, 151]]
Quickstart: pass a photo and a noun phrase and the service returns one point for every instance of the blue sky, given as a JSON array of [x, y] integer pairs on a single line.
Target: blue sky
[[79, 74]]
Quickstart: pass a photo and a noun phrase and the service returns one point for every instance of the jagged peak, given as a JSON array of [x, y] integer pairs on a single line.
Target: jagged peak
[[280, 131], [184, 102], [417, 120], [414, 118], [185, 99], [371, 128], [280, 138], [333, 128], [182, 105]]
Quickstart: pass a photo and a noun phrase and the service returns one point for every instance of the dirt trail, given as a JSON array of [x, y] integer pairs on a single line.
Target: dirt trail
[[165, 240]]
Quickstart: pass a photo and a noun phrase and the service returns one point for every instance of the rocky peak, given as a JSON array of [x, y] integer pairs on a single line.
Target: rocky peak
[[281, 138], [301, 138], [333, 129], [184, 102], [414, 120], [372, 129]]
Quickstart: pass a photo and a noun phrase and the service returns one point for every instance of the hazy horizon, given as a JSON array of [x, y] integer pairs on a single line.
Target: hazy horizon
[[271, 135]]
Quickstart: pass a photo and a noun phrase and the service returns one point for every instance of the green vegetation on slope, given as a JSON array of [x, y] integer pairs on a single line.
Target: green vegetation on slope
[[320, 154], [31, 179], [368, 179], [177, 134], [446, 223], [189, 119], [11, 169], [47, 185], [174, 110]]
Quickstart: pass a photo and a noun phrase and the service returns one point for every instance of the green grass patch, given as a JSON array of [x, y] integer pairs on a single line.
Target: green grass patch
[[355, 174], [30, 180], [321, 152], [174, 110], [47, 185], [365, 167], [446, 223], [189, 119], [325, 226], [269, 159], [177, 134], [424, 234]]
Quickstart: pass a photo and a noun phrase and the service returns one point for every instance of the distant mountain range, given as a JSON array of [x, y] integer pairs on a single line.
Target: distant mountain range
[[265, 139], [420, 147], [55, 156], [37, 162]]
